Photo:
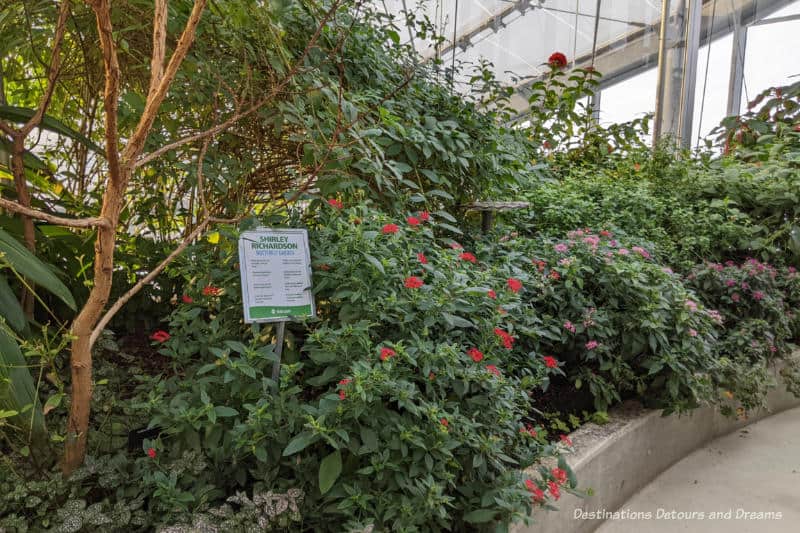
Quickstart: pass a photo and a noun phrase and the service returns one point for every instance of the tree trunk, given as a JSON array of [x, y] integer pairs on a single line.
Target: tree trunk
[[24, 199]]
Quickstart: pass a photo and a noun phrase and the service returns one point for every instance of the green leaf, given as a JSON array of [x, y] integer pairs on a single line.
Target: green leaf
[[374, 262], [457, 321], [223, 411], [27, 264], [480, 516], [10, 308], [370, 439], [329, 470], [299, 443]]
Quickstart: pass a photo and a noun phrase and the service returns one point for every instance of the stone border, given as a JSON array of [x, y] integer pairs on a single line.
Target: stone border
[[618, 459]]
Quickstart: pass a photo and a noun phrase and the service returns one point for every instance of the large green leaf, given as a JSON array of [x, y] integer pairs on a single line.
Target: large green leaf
[[329, 470], [27, 264], [9, 306], [21, 115], [17, 390]]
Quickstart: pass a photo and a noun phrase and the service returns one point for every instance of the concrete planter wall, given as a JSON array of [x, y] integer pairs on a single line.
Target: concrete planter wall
[[618, 459]]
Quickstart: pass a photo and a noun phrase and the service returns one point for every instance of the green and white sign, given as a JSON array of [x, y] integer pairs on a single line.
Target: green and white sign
[[275, 265]]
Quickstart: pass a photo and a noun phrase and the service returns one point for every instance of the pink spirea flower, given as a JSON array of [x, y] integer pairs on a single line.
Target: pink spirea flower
[[424, 216], [569, 326], [758, 295], [641, 251], [691, 305], [623, 251], [591, 345], [692, 332], [561, 248], [730, 282]]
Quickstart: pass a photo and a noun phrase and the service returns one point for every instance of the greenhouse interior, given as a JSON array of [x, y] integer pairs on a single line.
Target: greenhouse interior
[[399, 265]]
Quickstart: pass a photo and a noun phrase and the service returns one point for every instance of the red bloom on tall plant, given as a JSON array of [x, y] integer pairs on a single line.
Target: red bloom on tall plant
[[508, 340], [493, 369], [389, 229], [422, 259], [514, 284], [424, 216], [210, 290], [343, 383], [466, 256], [557, 60], [491, 294], [550, 361], [412, 221], [160, 336], [413, 282], [559, 475], [187, 299], [337, 204], [476, 354], [386, 353], [151, 453], [555, 492]]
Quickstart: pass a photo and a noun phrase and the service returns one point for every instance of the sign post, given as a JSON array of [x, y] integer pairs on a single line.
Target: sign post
[[275, 266]]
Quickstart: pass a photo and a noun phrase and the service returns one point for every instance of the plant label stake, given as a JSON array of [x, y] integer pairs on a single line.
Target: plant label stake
[[275, 268]]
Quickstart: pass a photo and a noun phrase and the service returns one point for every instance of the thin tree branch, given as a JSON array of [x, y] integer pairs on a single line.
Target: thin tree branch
[[159, 46], [89, 222], [98, 329], [154, 100]]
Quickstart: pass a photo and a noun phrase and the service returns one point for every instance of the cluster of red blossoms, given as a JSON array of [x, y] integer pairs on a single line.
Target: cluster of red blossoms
[[343, 383], [336, 204], [413, 282], [386, 353], [475, 354], [508, 340], [557, 60], [553, 486], [210, 290], [514, 284], [466, 256], [550, 361], [528, 430], [160, 336]]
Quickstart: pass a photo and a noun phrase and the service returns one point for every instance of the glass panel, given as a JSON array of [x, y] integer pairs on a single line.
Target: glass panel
[[771, 57], [710, 108]]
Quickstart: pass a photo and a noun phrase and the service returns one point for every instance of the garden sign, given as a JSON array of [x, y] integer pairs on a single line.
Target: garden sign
[[275, 265]]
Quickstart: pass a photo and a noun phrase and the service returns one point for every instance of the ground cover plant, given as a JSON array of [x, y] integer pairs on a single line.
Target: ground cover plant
[[435, 388]]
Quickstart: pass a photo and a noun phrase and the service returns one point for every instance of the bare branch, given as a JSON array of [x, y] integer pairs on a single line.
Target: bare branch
[[154, 100], [159, 46], [52, 75], [98, 329], [89, 222]]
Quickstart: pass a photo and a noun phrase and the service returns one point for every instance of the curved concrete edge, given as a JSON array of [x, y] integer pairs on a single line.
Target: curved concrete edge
[[619, 458]]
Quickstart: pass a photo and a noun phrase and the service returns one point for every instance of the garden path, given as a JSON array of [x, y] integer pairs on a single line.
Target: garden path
[[753, 470]]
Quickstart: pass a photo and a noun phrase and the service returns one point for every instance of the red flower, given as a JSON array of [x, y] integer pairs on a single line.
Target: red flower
[[424, 216], [151, 453], [444, 422], [557, 60], [493, 369], [550, 362], [187, 299], [455, 246], [412, 221], [210, 290], [431, 376], [559, 475], [333, 202], [422, 258], [160, 336], [555, 492], [528, 430], [386, 353], [413, 282], [476, 354], [566, 440], [555, 275], [343, 383], [514, 284], [390, 228], [491, 294], [466, 256], [508, 340]]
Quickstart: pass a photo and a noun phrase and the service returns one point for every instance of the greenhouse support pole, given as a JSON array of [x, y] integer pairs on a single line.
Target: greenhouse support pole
[[737, 65], [679, 44]]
